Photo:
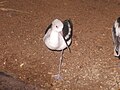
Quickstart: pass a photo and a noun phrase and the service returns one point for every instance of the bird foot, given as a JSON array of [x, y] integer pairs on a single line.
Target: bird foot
[[58, 77]]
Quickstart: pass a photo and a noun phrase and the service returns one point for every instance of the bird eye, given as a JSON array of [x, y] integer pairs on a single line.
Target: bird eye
[[56, 26]]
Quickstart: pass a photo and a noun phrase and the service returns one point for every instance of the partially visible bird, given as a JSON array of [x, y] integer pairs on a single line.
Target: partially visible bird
[[116, 37], [58, 37]]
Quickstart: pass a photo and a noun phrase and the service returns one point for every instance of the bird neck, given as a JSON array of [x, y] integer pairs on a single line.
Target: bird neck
[[54, 37]]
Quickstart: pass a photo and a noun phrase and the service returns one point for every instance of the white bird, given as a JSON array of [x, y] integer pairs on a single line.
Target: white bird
[[58, 37], [116, 37]]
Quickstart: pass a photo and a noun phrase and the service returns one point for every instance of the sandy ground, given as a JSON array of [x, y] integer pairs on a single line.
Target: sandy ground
[[91, 64]]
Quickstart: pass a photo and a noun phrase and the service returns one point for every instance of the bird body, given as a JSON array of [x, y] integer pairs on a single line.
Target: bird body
[[116, 37], [55, 41], [55, 38], [58, 37]]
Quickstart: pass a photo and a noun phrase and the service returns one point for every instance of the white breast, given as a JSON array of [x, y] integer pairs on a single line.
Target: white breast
[[117, 28], [54, 41]]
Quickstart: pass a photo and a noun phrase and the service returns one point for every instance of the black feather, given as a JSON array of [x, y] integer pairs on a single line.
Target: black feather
[[118, 20], [48, 28], [114, 33]]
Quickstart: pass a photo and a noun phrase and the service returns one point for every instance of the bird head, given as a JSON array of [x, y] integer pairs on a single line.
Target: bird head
[[57, 25]]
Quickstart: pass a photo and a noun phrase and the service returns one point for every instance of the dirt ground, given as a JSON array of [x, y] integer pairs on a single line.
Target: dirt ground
[[91, 64]]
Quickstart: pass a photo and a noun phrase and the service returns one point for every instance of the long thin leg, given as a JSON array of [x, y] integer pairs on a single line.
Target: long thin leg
[[60, 63], [58, 76]]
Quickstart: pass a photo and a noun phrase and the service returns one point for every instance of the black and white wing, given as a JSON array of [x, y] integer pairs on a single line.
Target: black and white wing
[[67, 31]]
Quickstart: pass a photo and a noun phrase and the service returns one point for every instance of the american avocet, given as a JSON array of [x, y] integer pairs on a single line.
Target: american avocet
[[58, 37], [116, 37]]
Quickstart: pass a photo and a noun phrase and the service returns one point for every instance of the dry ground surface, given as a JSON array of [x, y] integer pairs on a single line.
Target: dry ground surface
[[91, 64]]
